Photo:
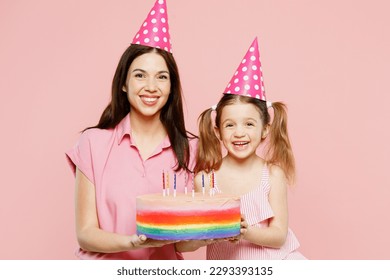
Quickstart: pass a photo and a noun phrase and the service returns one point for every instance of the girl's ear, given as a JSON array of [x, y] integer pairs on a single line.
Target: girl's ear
[[217, 133], [265, 132]]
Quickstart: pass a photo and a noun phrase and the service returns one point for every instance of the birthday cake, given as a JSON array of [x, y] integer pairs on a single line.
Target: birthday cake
[[188, 217]]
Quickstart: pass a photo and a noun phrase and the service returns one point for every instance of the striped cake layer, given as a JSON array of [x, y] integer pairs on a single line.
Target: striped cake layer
[[186, 233], [185, 217]]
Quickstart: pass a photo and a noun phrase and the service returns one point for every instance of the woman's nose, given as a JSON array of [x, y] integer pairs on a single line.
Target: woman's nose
[[151, 85]]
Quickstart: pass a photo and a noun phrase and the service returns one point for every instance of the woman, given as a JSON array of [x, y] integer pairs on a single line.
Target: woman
[[140, 134]]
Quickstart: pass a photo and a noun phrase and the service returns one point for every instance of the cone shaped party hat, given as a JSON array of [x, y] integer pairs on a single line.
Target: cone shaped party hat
[[154, 32], [248, 79]]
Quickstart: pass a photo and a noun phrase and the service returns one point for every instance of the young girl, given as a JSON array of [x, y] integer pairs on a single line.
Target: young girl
[[242, 123], [140, 134]]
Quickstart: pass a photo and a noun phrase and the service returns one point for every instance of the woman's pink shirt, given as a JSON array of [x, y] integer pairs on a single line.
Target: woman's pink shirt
[[109, 158]]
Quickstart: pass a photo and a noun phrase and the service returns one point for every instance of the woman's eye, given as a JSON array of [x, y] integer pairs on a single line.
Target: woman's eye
[[163, 77], [139, 75]]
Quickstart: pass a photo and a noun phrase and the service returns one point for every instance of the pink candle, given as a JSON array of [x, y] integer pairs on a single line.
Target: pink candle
[[213, 181], [163, 180]]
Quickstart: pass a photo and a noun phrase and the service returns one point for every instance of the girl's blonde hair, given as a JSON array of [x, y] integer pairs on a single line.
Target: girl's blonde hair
[[278, 151]]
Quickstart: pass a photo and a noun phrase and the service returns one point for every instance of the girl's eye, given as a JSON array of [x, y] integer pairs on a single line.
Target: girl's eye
[[228, 125], [250, 124]]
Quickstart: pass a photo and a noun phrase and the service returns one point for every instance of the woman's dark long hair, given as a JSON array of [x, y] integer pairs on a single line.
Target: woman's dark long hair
[[171, 116]]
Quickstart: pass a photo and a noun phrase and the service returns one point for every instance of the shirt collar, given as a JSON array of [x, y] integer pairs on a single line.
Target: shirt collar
[[124, 128], [165, 143]]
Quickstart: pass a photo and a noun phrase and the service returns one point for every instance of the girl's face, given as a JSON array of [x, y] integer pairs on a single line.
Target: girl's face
[[241, 130], [148, 84]]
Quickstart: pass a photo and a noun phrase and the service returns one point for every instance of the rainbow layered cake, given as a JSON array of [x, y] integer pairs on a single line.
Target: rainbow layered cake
[[186, 217]]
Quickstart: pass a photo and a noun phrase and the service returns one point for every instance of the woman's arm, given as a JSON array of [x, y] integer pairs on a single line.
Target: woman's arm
[[275, 234], [90, 237]]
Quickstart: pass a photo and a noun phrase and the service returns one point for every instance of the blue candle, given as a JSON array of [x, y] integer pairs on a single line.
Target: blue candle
[[202, 182]]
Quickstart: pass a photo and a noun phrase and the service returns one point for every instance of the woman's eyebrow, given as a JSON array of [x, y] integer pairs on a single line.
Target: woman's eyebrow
[[143, 71], [138, 69]]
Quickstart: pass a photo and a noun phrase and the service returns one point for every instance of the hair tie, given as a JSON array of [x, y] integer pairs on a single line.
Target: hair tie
[[214, 107], [269, 104]]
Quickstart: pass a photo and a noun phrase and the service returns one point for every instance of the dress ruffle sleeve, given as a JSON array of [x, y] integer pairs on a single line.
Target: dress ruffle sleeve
[[255, 207]]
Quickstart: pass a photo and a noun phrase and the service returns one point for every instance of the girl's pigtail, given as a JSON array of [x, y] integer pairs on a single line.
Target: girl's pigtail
[[209, 154], [279, 150]]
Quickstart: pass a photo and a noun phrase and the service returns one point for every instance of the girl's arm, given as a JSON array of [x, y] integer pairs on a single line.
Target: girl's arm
[[90, 237], [275, 234]]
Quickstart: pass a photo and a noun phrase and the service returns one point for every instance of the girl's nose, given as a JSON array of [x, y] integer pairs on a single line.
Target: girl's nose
[[239, 132]]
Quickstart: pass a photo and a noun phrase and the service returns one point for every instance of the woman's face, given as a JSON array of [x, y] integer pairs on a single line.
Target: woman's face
[[148, 85]]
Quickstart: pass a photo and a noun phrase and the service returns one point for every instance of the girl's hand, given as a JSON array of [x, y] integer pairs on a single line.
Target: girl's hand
[[244, 226], [243, 230]]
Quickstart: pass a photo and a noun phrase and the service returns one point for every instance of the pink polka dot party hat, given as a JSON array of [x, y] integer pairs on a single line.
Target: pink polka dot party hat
[[154, 32], [248, 78]]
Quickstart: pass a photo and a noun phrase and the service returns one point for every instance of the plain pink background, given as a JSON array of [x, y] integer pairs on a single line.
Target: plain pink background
[[327, 60]]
